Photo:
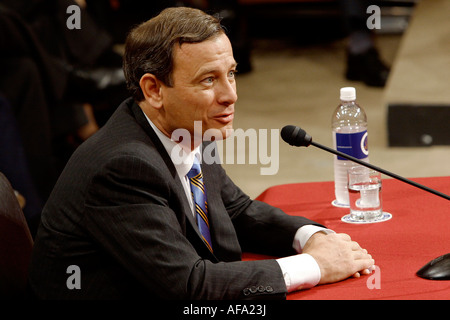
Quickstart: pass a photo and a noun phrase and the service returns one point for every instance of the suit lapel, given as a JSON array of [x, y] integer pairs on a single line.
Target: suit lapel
[[224, 239], [143, 123], [178, 187]]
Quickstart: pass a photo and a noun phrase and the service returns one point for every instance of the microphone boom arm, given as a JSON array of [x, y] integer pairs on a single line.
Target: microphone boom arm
[[393, 175]]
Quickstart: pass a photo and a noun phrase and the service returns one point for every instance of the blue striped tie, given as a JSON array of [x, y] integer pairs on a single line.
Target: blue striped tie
[[201, 206]]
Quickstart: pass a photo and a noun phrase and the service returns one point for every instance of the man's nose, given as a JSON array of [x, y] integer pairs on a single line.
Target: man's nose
[[227, 94]]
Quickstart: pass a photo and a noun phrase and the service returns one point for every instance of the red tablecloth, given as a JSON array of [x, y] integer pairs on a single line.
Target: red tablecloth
[[417, 233]]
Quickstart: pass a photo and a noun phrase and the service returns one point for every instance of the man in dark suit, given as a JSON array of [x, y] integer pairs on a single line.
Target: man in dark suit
[[121, 223]]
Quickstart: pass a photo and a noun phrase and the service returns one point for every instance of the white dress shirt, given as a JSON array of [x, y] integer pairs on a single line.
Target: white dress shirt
[[300, 271]]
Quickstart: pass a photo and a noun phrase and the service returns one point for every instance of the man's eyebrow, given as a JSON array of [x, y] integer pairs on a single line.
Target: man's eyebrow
[[214, 70]]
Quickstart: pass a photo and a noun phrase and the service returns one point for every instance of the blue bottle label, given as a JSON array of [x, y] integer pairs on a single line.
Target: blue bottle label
[[352, 144]]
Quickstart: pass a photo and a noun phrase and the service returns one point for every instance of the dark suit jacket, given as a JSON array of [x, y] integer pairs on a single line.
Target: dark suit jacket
[[119, 213]]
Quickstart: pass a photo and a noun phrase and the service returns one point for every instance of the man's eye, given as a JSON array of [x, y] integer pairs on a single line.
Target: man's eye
[[208, 80], [232, 73]]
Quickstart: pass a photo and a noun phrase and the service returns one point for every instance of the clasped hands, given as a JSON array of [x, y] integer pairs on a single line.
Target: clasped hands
[[338, 256]]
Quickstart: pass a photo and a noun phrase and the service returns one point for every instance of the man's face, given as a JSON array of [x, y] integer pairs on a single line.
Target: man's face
[[204, 87]]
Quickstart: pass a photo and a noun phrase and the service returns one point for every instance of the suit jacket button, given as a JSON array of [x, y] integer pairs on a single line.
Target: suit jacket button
[[246, 291], [269, 289], [253, 289], [261, 289]]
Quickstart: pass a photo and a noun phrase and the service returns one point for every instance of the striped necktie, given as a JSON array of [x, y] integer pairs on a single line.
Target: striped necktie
[[201, 206]]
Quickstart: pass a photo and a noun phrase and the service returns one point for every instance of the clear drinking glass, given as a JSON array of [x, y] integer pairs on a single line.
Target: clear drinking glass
[[364, 189]]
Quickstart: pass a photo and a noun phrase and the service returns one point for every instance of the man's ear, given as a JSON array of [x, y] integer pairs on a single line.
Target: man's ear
[[151, 88]]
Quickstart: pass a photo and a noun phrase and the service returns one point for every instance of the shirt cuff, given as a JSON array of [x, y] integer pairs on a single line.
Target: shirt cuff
[[300, 271], [304, 233]]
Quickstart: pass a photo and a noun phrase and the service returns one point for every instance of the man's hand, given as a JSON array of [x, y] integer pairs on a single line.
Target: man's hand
[[338, 256]]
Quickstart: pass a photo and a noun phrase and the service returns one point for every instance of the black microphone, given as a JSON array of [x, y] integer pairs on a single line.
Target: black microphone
[[298, 137]]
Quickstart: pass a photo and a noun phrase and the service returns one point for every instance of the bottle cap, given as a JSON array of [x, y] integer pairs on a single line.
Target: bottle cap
[[348, 94]]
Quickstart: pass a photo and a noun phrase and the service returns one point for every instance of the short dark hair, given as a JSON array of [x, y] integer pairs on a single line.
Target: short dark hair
[[149, 46]]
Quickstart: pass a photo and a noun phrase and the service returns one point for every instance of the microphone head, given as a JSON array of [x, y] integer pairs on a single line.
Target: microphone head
[[295, 136]]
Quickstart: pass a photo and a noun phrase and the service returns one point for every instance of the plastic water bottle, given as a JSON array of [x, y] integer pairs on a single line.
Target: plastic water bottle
[[349, 126]]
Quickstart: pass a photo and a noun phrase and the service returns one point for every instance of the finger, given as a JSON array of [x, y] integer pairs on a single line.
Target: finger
[[361, 255], [363, 264], [366, 271]]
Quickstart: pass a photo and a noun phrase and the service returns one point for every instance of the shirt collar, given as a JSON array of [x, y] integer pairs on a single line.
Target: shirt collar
[[181, 158]]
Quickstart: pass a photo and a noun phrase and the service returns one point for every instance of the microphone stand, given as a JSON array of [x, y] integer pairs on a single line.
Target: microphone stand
[[393, 175]]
